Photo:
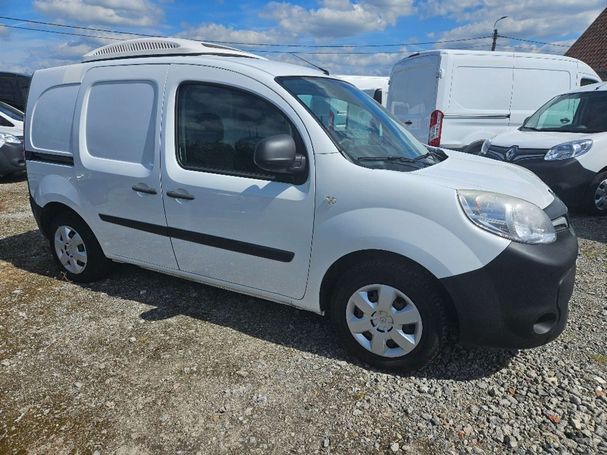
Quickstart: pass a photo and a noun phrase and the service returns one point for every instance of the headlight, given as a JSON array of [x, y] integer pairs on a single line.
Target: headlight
[[569, 150], [507, 216], [9, 139], [485, 147]]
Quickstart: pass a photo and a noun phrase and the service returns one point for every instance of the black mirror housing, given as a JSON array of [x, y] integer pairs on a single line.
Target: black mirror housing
[[378, 95], [276, 154]]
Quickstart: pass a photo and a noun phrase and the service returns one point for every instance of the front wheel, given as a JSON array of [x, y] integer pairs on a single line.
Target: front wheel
[[390, 315], [76, 250], [596, 200]]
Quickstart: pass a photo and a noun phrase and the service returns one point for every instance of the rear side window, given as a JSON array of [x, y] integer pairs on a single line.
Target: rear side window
[[121, 121], [219, 127], [52, 118]]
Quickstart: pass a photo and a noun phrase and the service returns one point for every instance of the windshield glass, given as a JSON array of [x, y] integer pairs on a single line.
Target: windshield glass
[[584, 112], [358, 125], [11, 112]]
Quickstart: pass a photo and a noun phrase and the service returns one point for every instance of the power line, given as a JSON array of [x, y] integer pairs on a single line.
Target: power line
[[266, 51], [57, 32], [296, 45], [534, 41], [78, 27], [249, 45]]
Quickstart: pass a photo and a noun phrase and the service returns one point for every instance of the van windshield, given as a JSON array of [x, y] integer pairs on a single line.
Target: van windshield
[[584, 112], [363, 131]]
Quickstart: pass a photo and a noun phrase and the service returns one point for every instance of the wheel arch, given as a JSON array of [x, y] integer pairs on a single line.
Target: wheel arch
[[50, 211], [341, 265]]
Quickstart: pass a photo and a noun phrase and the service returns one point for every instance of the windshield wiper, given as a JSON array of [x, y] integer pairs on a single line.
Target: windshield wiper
[[403, 159]]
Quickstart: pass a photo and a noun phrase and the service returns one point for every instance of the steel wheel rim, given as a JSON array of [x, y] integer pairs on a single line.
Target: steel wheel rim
[[70, 249], [384, 321], [600, 196]]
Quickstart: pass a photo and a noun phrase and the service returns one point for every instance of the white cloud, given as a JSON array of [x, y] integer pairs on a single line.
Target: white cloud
[[526, 18], [142, 13], [376, 64], [337, 18], [221, 33], [4, 31]]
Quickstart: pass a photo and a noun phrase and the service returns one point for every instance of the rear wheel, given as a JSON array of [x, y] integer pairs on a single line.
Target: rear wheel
[[76, 250], [390, 315], [596, 200]]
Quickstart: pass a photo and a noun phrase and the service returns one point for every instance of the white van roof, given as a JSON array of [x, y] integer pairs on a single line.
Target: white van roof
[[488, 52], [175, 50], [154, 47], [462, 52]]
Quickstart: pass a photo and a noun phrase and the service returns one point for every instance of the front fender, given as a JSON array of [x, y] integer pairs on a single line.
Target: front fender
[[443, 251]]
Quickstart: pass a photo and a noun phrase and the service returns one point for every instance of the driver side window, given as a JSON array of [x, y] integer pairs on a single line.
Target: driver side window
[[219, 127]]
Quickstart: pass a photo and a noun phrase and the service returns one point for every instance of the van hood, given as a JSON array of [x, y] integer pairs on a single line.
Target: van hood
[[536, 139], [462, 171]]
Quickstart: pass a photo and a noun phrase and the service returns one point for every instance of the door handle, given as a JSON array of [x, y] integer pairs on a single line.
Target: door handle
[[143, 188], [180, 195], [408, 122]]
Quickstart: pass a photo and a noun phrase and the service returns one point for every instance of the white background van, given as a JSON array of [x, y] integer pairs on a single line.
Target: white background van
[[374, 86], [457, 99]]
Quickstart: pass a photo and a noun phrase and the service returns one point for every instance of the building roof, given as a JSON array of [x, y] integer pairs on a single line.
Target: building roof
[[591, 47]]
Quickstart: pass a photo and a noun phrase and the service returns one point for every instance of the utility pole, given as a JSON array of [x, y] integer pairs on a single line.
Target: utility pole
[[495, 35]]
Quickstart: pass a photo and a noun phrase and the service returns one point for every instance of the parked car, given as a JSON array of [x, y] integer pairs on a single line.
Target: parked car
[[457, 99], [228, 169], [565, 144], [374, 86], [12, 159], [11, 120], [14, 88]]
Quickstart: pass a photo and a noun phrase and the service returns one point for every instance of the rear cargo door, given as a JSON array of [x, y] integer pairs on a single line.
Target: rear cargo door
[[413, 91]]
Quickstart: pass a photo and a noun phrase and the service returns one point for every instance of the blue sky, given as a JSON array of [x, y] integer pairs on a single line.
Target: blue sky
[[308, 22]]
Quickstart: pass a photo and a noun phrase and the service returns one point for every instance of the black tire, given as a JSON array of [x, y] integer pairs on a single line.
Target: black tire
[[417, 285], [97, 265], [589, 198]]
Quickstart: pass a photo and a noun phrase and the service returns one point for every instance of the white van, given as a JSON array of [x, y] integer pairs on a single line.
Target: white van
[[221, 167], [565, 144], [457, 98], [374, 86]]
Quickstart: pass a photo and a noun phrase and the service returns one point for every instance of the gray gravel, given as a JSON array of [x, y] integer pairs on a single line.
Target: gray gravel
[[145, 363]]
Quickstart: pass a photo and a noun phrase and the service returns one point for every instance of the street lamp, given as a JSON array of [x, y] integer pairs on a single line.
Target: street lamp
[[495, 32]]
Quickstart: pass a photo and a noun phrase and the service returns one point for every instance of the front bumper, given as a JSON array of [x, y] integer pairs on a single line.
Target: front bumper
[[12, 159], [567, 178], [521, 298]]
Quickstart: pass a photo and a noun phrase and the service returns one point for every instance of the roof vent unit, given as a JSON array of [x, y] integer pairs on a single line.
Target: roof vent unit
[[156, 47]]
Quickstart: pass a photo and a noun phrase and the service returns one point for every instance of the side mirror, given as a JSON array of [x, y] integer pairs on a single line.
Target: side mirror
[[276, 154], [378, 95]]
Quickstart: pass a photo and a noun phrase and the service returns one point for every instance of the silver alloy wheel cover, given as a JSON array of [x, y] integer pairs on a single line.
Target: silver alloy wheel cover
[[70, 249], [600, 196], [383, 321]]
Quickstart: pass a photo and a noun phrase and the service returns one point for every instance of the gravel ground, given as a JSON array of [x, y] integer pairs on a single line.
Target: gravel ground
[[145, 363]]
